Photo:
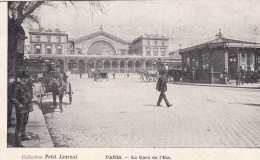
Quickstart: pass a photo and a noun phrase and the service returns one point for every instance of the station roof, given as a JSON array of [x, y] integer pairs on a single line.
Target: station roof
[[101, 33]]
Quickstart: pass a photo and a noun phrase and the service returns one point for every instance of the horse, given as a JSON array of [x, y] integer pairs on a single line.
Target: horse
[[57, 86]]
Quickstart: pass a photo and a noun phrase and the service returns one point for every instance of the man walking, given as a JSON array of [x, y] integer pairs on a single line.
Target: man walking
[[22, 100], [161, 86]]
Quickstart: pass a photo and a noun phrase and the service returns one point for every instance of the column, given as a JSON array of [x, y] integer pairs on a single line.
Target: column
[[66, 64], [86, 65], [134, 66], [94, 61], [238, 59], [126, 63], [226, 60], [103, 65], [144, 64], [119, 66], [111, 66]]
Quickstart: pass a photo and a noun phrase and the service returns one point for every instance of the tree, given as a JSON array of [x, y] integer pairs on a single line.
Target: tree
[[22, 12]]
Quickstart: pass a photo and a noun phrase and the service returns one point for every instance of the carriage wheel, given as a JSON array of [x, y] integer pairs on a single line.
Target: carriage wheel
[[70, 93]]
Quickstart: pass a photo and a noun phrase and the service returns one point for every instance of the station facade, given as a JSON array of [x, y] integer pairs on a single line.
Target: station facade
[[99, 50]]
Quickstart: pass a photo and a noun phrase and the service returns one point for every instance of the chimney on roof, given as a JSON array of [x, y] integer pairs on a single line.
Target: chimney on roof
[[219, 35]]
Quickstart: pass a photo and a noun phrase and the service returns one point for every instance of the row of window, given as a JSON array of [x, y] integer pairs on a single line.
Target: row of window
[[48, 48], [48, 38], [155, 42], [149, 43], [155, 51]]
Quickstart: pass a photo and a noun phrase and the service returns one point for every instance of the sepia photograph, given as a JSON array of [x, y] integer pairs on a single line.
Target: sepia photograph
[[132, 74]]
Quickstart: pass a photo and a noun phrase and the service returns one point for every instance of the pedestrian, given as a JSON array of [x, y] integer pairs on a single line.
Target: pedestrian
[[22, 100], [114, 75], [249, 76], [161, 86], [242, 74], [80, 74], [238, 76], [127, 75], [255, 77]]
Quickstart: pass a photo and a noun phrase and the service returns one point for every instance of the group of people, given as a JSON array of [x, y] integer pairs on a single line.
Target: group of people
[[241, 76]]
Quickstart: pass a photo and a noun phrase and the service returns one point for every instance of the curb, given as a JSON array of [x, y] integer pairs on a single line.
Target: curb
[[214, 85], [36, 128]]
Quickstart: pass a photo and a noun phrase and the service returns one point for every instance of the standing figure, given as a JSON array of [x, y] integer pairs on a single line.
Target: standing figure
[[225, 76], [114, 75], [80, 74], [22, 100], [238, 76], [242, 75], [161, 86]]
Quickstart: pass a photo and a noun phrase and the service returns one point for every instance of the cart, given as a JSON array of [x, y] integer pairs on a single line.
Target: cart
[[43, 71]]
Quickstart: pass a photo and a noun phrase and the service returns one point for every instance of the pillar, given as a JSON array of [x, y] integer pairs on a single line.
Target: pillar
[[103, 68], [126, 66], [226, 60], [66, 64], [111, 67], [94, 61], [134, 66], [144, 64]]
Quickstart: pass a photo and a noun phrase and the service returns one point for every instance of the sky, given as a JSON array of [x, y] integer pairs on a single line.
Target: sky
[[186, 22]]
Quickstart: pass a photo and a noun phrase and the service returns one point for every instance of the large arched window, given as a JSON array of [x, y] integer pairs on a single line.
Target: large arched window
[[101, 48]]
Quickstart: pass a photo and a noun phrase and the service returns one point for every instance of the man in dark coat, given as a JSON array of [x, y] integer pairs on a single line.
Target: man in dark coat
[[161, 86], [22, 100], [238, 76]]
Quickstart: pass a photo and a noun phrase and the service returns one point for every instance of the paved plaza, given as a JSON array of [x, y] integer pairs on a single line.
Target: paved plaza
[[122, 112]]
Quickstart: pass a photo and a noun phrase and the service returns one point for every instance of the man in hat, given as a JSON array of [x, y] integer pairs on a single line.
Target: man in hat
[[161, 86], [22, 100]]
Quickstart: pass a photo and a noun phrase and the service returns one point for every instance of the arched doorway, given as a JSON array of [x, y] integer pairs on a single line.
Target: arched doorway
[[122, 66], [148, 65], [99, 65], [114, 65], [72, 65], [90, 66], [130, 66], [106, 65], [138, 65], [82, 66]]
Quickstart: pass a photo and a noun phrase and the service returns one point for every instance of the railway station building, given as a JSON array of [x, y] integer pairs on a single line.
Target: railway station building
[[208, 60], [98, 50]]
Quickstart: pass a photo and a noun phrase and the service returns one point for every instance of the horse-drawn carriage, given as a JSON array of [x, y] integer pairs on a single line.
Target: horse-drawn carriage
[[99, 75], [51, 79]]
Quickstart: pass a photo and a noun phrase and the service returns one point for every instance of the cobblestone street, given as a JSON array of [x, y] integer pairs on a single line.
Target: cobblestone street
[[123, 113]]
